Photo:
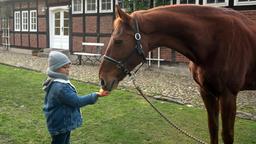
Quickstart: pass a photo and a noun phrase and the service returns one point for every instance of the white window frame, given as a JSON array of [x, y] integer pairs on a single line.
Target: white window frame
[[106, 11], [197, 2], [73, 7], [17, 19], [244, 3], [216, 4], [91, 11], [24, 25], [33, 20]]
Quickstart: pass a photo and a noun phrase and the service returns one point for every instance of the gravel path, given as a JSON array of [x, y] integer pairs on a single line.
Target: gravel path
[[172, 83]]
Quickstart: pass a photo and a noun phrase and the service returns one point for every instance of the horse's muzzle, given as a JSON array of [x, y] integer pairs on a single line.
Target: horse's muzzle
[[106, 85]]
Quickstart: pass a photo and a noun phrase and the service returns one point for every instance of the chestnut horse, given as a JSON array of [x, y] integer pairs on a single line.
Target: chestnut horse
[[220, 43]]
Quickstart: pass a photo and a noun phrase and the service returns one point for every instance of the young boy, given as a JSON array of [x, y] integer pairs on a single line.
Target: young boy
[[61, 104]]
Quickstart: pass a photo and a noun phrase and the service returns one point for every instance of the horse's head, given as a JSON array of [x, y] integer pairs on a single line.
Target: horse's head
[[124, 51]]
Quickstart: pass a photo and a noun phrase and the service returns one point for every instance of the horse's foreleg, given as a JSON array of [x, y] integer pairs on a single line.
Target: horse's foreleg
[[228, 114], [212, 106]]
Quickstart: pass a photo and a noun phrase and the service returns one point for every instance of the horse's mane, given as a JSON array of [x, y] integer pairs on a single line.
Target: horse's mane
[[195, 10], [193, 15]]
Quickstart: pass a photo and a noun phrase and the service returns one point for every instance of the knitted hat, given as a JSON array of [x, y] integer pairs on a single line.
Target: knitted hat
[[56, 60]]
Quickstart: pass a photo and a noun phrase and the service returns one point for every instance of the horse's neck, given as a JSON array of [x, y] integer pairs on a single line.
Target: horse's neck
[[173, 30]]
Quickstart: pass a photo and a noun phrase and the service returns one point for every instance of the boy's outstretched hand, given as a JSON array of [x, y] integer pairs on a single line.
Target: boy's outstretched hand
[[102, 93]]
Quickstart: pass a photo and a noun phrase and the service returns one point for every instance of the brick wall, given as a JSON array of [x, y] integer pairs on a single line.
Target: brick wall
[[77, 24], [17, 39], [91, 24], [28, 39], [106, 23], [41, 5], [77, 43], [90, 49], [42, 41], [33, 41], [41, 24], [58, 2], [24, 40]]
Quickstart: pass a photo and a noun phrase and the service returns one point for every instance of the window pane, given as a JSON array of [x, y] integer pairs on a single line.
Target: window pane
[[33, 22], [191, 1], [65, 31], [183, 1], [57, 31], [106, 5], [210, 1], [57, 15], [17, 21], [220, 1], [66, 23], [24, 20], [77, 5], [65, 14], [57, 23], [91, 5]]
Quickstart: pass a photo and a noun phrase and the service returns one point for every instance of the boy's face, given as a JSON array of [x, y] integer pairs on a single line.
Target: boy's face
[[64, 69]]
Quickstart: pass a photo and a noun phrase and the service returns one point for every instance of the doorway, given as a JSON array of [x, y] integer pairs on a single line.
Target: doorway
[[59, 27]]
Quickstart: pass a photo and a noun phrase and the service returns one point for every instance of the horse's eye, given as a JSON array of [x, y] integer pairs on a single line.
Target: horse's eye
[[118, 42]]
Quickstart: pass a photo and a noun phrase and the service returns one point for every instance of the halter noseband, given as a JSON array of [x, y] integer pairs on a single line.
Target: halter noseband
[[138, 48]]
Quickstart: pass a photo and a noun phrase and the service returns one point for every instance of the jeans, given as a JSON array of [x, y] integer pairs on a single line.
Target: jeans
[[63, 138]]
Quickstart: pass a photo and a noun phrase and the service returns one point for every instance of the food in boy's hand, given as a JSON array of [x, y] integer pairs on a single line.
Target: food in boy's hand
[[103, 92]]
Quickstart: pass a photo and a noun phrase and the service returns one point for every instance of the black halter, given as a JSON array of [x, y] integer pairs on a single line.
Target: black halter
[[138, 49]]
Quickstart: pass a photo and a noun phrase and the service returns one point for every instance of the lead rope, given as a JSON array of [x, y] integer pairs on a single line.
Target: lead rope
[[162, 115]]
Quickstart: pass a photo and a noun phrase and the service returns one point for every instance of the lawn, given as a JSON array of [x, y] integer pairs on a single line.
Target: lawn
[[121, 118]]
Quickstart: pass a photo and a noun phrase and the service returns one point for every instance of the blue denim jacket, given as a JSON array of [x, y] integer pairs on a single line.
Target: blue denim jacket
[[62, 106]]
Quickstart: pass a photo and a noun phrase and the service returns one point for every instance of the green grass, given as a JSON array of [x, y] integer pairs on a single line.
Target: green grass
[[121, 118]]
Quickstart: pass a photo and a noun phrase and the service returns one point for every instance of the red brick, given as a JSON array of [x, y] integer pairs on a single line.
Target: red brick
[[42, 41], [24, 38], [17, 5], [33, 40], [41, 6], [42, 24], [90, 49], [24, 5], [91, 24], [77, 24], [32, 5], [77, 43], [11, 24], [17, 39], [106, 24]]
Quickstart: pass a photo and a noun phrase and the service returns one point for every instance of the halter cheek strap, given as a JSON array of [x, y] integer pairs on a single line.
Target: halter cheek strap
[[138, 45], [119, 64], [138, 48]]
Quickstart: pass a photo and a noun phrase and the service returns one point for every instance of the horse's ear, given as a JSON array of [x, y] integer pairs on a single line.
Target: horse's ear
[[124, 16]]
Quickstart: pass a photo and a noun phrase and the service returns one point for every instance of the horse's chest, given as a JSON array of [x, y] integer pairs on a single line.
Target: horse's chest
[[207, 79]]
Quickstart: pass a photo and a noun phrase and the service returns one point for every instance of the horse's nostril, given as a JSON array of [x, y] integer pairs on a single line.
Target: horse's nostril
[[102, 82]]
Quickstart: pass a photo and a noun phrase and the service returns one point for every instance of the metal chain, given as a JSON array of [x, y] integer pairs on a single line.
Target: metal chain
[[162, 115]]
